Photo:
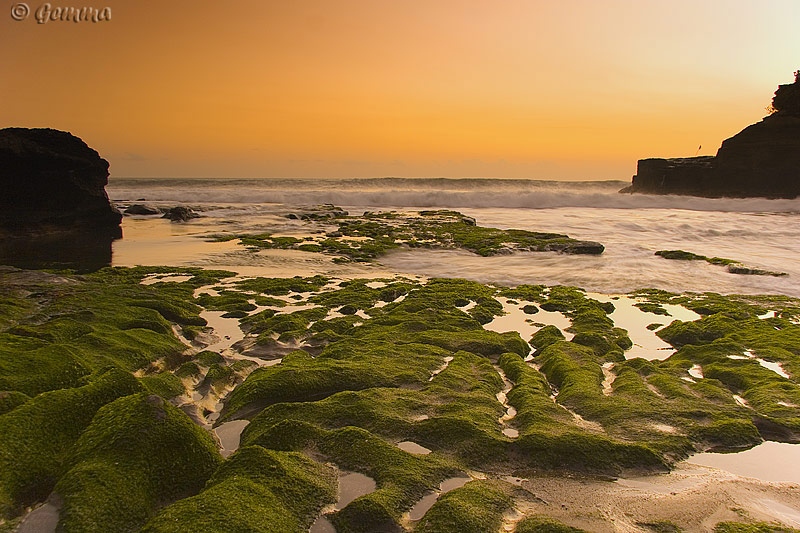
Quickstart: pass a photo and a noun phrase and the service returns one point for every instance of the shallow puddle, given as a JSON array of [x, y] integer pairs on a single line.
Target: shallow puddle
[[427, 501], [156, 278], [226, 329], [353, 485], [696, 371], [526, 325], [43, 519], [413, 447], [646, 344], [769, 461], [229, 435]]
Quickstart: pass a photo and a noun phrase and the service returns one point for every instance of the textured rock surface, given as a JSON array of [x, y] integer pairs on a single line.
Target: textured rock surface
[[51, 180], [761, 160]]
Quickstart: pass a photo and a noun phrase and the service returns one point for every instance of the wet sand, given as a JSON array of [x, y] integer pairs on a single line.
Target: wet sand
[[693, 497]]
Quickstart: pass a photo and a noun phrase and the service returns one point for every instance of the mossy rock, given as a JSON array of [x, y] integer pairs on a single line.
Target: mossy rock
[[138, 453], [10, 400], [37, 437], [208, 358], [476, 507], [585, 452], [255, 490], [728, 434], [165, 384], [546, 336]]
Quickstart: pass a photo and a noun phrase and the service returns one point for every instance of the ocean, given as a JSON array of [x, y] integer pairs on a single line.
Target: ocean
[[758, 232]]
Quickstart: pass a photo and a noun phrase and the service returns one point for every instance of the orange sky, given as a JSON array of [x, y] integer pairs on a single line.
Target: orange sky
[[575, 89]]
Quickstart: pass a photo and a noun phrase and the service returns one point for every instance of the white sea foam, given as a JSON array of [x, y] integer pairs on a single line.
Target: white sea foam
[[441, 192]]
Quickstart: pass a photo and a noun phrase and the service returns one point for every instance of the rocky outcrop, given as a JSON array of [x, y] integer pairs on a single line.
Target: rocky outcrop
[[180, 214], [761, 160], [141, 209], [54, 211], [51, 180]]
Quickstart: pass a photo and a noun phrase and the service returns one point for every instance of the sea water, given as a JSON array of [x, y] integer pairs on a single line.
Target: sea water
[[756, 231]]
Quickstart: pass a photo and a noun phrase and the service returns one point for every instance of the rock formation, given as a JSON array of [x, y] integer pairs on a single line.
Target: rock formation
[[761, 160], [54, 195], [51, 179]]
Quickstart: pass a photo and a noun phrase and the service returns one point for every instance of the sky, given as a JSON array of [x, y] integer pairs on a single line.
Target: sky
[[569, 89]]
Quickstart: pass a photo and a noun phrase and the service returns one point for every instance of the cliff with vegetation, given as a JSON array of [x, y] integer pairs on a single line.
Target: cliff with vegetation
[[761, 160]]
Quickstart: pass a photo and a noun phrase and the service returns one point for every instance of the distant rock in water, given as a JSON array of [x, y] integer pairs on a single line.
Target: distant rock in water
[[761, 160], [180, 214], [141, 209], [54, 210]]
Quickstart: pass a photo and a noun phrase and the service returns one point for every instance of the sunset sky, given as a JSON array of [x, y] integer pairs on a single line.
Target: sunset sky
[[573, 89]]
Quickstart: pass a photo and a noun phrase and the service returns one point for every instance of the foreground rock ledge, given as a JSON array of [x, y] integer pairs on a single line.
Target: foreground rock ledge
[[763, 160]]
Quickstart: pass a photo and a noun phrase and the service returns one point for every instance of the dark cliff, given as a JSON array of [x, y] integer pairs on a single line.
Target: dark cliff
[[761, 160], [54, 210], [52, 180]]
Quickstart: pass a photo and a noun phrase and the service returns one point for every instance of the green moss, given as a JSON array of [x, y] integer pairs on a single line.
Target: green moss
[[36, 437], [680, 255], [188, 370], [758, 527], [138, 453], [10, 400], [209, 358], [218, 377], [351, 366], [476, 507], [586, 452], [255, 490], [728, 434], [226, 300], [734, 267], [546, 336], [654, 308], [402, 478], [165, 384], [366, 237], [32, 367]]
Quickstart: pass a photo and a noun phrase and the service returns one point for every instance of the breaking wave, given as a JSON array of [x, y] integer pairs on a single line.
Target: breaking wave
[[425, 192]]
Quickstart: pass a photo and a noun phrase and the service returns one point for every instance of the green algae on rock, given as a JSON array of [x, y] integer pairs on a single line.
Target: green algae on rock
[[476, 507], [255, 490], [37, 437], [412, 363], [733, 266], [366, 237]]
